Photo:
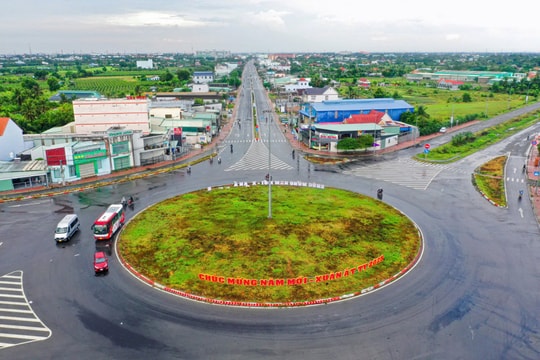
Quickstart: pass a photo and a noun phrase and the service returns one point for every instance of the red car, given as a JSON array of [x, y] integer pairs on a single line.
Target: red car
[[101, 263]]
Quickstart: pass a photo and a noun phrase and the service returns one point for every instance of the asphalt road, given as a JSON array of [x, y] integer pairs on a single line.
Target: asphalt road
[[473, 295]]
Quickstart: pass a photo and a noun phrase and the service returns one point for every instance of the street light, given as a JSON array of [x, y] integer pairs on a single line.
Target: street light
[[265, 112]]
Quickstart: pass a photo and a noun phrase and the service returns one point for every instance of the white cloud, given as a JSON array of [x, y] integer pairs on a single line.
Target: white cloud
[[153, 18], [452, 37], [270, 18]]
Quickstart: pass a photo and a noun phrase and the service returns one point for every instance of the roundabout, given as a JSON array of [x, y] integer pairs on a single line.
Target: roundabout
[[320, 245]]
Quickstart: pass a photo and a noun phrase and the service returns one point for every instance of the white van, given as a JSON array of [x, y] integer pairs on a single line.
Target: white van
[[66, 228]]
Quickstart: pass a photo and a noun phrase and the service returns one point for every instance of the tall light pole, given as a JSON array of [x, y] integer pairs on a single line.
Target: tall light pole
[[266, 112]]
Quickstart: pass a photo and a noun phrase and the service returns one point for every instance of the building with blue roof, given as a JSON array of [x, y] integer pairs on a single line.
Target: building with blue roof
[[339, 110]]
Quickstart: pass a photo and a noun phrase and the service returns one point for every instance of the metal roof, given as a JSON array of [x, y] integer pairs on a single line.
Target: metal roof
[[16, 170], [361, 104], [348, 127]]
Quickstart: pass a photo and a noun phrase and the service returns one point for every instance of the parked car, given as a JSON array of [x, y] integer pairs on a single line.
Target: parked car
[[101, 262], [443, 130]]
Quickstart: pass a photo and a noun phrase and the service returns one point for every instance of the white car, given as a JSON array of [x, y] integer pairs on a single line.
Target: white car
[[443, 130]]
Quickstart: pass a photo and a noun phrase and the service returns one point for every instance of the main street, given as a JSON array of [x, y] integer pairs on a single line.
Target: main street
[[474, 293]]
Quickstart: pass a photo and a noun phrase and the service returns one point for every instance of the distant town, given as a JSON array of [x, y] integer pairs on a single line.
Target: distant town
[[64, 117]]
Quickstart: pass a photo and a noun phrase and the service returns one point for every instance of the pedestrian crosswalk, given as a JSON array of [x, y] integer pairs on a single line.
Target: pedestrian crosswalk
[[18, 323], [402, 171], [238, 141], [256, 158]]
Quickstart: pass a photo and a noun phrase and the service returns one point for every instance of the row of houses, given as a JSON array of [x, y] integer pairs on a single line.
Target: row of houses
[[107, 135]]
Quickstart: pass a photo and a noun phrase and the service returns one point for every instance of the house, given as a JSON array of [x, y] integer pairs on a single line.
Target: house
[[203, 77], [301, 83], [317, 95], [449, 84], [373, 117], [11, 139], [389, 125], [364, 83], [337, 111]]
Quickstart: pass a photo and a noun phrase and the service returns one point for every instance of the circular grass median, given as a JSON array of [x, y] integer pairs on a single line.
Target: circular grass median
[[221, 244]]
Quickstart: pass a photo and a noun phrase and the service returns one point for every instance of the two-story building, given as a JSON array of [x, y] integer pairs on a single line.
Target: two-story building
[[99, 115], [203, 77], [317, 95]]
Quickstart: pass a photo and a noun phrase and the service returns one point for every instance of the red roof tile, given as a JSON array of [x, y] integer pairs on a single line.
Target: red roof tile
[[3, 125]]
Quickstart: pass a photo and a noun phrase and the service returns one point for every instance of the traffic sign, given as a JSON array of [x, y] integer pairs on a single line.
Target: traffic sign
[[427, 146], [426, 151], [536, 173], [534, 142]]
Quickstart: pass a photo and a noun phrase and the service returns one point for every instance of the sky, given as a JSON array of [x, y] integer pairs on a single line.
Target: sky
[[268, 26]]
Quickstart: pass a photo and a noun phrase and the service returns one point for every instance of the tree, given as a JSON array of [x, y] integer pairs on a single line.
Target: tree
[[183, 75], [40, 74], [466, 98], [361, 142], [347, 144], [379, 93], [53, 84], [32, 86], [167, 76], [365, 141]]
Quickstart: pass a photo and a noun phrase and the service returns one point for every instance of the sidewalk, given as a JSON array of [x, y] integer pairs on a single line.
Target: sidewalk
[[533, 181]]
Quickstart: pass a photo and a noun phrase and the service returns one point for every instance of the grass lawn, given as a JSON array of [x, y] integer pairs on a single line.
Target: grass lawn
[[489, 179], [455, 150], [221, 244]]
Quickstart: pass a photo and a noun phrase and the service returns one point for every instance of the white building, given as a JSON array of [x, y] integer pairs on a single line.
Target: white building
[[301, 83], [93, 116], [203, 77], [316, 95], [200, 88], [11, 139], [145, 64]]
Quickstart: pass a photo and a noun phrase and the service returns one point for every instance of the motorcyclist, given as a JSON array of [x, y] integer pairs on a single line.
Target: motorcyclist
[[520, 194], [189, 169], [231, 147], [219, 160]]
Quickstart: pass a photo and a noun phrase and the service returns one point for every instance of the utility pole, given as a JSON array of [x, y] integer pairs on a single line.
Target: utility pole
[[309, 129]]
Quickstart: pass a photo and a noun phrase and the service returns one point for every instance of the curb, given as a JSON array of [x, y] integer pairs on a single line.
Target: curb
[[152, 283]]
